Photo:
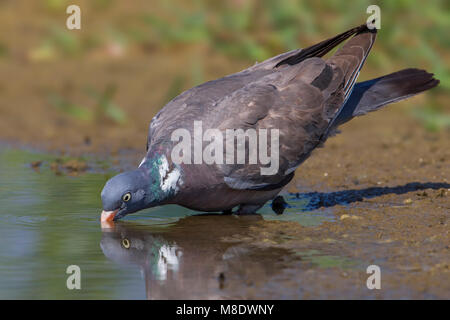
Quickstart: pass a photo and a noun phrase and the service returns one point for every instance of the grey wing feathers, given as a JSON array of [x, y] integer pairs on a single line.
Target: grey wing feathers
[[305, 99], [297, 93], [194, 103], [283, 101], [351, 57]]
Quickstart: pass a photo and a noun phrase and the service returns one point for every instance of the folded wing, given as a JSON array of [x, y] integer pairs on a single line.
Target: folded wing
[[300, 101]]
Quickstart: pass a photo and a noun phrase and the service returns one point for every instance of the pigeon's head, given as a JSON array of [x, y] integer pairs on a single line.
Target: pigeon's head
[[125, 193], [155, 182]]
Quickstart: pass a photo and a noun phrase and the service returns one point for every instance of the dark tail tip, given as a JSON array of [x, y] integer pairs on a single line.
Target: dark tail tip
[[369, 26], [322, 48]]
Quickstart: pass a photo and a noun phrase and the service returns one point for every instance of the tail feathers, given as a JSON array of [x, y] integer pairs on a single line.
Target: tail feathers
[[373, 94]]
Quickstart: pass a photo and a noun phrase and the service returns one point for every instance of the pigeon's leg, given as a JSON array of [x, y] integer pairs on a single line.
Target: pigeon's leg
[[248, 208], [227, 212]]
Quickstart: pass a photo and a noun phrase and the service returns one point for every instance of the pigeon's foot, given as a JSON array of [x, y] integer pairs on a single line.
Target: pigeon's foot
[[278, 205]]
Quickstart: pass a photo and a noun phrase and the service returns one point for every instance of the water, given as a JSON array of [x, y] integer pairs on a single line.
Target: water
[[49, 222]]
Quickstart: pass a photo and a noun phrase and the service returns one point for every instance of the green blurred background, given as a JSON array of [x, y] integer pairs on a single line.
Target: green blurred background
[[97, 88]]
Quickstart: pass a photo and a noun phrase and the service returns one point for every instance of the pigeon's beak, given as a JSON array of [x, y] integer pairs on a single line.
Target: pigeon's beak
[[108, 216], [107, 225]]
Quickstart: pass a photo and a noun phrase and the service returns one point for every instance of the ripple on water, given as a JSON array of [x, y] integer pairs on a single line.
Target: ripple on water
[[27, 221]]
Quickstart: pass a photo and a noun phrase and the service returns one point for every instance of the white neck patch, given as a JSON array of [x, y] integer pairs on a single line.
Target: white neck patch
[[169, 180]]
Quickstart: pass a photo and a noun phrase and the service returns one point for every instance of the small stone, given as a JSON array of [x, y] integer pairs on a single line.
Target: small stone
[[431, 239], [407, 201], [441, 193], [75, 166], [36, 164], [386, 241], [54, 166], [423, 194], [347, 216], [87, 140]]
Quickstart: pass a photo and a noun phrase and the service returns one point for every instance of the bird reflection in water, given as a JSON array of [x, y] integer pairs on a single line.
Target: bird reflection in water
[[198, 257]]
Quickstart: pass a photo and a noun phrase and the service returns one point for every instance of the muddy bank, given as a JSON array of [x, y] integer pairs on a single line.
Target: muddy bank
[[409, 241]]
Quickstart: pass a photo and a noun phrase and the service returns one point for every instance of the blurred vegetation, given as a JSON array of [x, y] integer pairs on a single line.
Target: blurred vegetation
[[258, 29], [433, 118], [103, 108], [3, 50], [413, 34], [411, 31]]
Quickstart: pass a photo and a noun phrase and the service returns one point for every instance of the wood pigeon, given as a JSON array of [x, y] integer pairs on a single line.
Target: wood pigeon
[[300, 97]]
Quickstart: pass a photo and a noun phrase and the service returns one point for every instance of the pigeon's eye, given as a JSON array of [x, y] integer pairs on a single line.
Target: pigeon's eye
[[126, 197], [126, 243]]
